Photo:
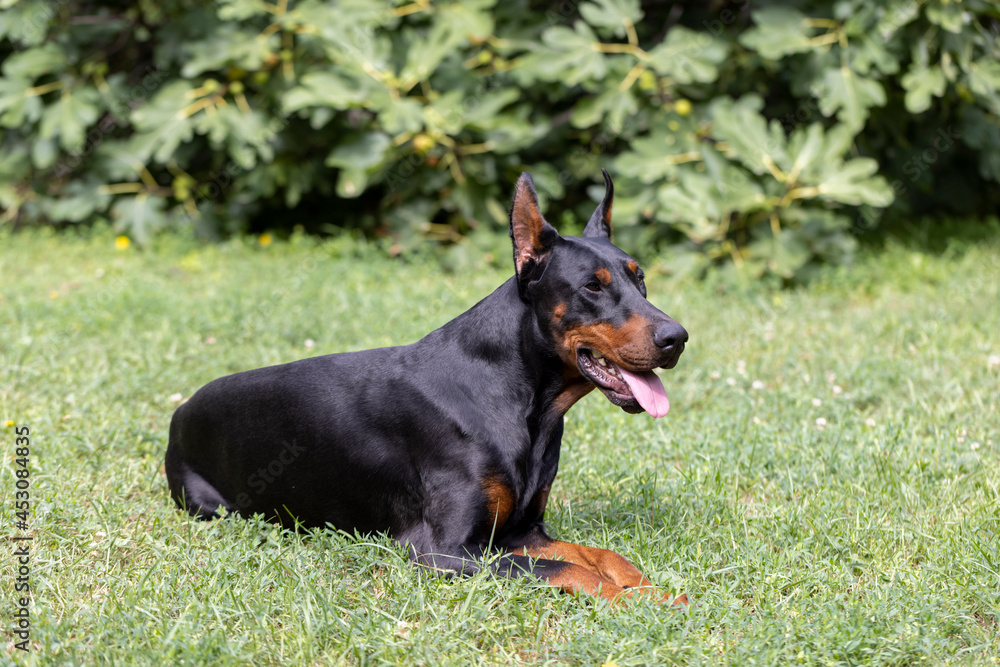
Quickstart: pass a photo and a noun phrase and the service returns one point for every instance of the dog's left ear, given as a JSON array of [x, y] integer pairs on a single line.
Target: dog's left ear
[[532, 235], [600, 221]]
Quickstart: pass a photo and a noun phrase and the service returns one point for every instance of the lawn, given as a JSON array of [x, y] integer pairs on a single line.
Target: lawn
[[825, 487]]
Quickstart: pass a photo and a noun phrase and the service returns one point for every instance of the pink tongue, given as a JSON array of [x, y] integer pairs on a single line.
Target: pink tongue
[[648, 390]]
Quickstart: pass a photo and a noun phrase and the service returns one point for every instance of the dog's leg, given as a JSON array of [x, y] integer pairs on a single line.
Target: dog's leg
[[608, 566], [568, 577]]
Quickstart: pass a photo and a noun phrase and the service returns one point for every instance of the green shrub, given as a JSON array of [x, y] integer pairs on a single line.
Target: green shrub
[[769, 136]]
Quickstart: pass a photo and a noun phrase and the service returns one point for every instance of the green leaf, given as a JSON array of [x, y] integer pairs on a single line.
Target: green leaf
[[140, 216], [32, 63], [786, 253], [749, 137], [457, 22], [229, 45], [483, 109], [777, 32], [17, 108], [241, 10], [867, 53], [692, 205], [43, 153], [921, 83], [702, 202], [810, 158], [352, 33], [16, 163], [818, 162], [76, 203], [425, 54], [26, 21], [806, 148], [949, 14], [160, 124], [454, 25], [338, 90], [115, 161], [688, 56], [737, 190], [984, 77], [401, 114], [648, 158], [446, 114], [848, 95], [611, 14], [895, 15], [69, 116], [361, 152], [814, 153], [855, 183], [613, 104], [512, 132], [244, 136], [569, 56], [823, 231], [351, 182]]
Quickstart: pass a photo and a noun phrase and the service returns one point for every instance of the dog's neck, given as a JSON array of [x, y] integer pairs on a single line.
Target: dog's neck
[[515, 334]]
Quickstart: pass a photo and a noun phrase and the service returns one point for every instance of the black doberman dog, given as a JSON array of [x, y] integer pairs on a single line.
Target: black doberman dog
[[450, 444]]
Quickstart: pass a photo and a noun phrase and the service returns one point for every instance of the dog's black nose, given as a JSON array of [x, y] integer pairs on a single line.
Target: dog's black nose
[[670, 335]]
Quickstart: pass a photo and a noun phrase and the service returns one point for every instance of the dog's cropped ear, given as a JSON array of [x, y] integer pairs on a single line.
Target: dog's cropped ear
[[532, 235], [600, 222]]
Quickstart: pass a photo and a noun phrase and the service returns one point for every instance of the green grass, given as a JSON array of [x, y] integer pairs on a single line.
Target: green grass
[[872, 539]]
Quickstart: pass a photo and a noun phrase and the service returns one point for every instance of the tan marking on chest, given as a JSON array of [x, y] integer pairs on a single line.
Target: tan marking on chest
[[500, 500], [572, 391]]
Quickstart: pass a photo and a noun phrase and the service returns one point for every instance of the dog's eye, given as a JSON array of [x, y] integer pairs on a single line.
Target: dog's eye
[[593, 286]]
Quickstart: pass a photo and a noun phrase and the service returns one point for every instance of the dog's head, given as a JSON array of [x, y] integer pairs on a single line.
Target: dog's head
[[589, 297]]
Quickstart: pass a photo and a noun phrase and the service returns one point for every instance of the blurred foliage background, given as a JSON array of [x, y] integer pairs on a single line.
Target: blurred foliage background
[[760, 138]]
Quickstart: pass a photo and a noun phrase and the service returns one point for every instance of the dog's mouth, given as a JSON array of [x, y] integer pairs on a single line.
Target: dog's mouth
[[631, 391]]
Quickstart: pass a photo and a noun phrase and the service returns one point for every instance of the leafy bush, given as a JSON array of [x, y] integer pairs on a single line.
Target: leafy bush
[[769, 136]]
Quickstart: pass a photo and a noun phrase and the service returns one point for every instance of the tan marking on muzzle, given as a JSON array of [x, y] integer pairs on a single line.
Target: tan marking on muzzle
[[630, 345]]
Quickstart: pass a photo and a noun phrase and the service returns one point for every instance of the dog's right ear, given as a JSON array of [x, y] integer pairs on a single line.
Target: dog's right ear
[[532, 235], [600, 221]]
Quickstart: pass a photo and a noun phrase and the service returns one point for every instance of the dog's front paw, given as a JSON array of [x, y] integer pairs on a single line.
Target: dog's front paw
[[632, 592], [680, 601]]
